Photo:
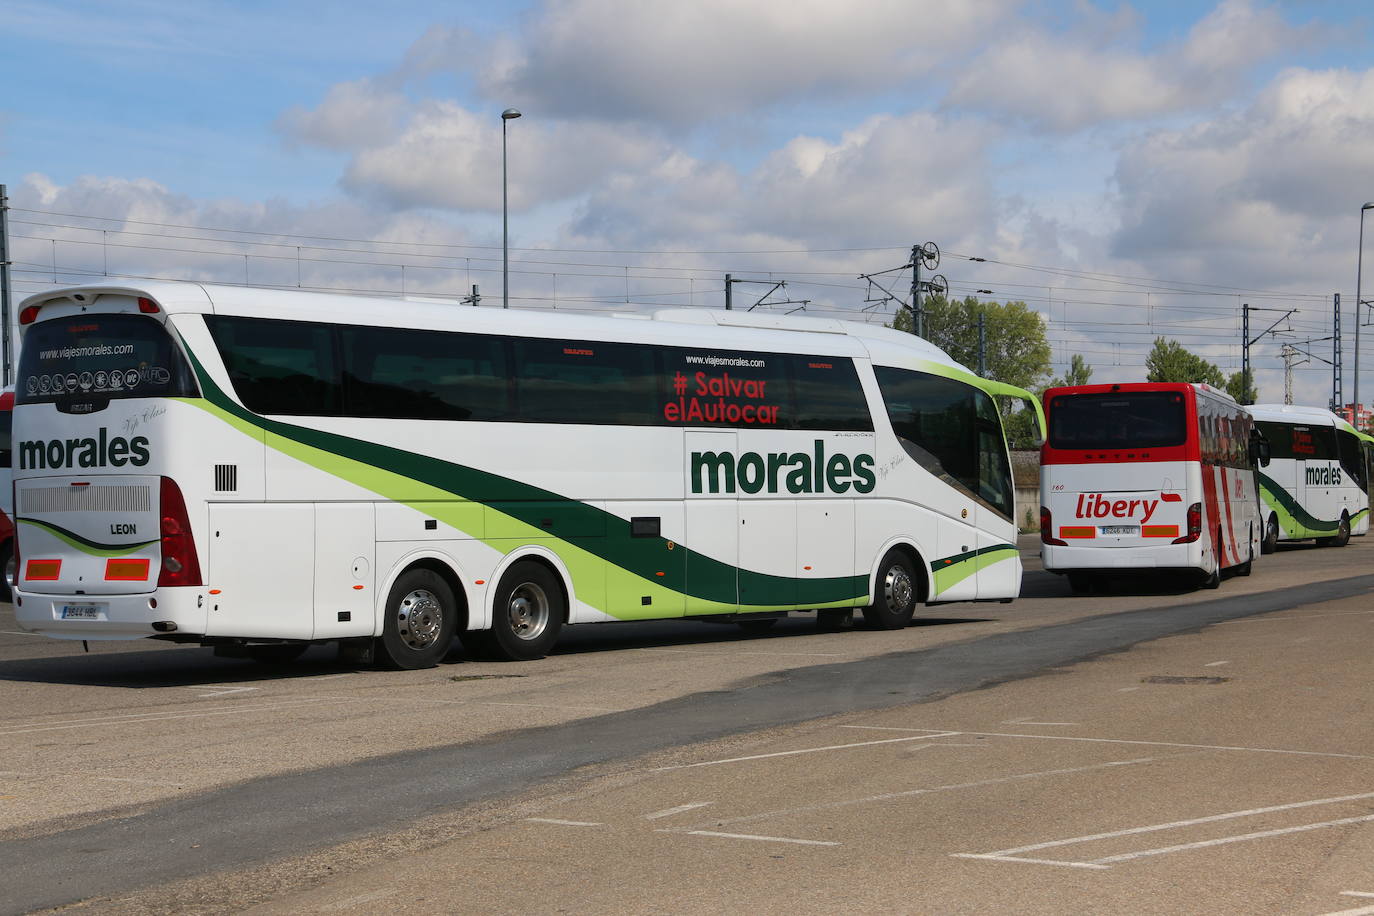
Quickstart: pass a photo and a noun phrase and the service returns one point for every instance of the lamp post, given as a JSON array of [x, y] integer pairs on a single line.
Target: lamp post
[[510, 114], [1359, 264]]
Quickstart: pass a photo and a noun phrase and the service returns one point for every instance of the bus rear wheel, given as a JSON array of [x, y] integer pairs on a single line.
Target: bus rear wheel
[[1342, 534], [528, 613], [1271, 534], [421, 614], [896, 594]]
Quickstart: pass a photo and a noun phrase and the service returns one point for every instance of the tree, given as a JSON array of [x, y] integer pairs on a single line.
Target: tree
[[1170, 361], [1016, 351], [1241, 386], [1078, 373]]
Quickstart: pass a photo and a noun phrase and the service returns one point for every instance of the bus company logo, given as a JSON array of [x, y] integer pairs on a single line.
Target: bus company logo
[[796, 472], [1095, 505], [1318, 476], [707, 398], [99, 452]]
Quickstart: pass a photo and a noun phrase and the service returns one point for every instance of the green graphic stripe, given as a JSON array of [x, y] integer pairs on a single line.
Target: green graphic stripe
[[588, 533], [85, 545], [1357, 517], [1295, 520], [950, 571]]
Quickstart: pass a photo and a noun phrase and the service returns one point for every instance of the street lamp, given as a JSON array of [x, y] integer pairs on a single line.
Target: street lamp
[[510, 114], [1359, 264]]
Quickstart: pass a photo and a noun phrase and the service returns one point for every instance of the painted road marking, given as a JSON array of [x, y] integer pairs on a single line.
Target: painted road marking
[[539, 705], [1027, 721], [1358, 911], [669, 812], [1215, 664], [221, 690], [563, 823], [1356, 894], [764, 839], [139, 718], [1201, 747], [910, 793], [809, 750], [1014, 854]]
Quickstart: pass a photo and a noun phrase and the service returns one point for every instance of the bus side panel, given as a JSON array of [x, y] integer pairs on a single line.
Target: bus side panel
[[878, 523], [998, 561], [261, 562], [345, 569]]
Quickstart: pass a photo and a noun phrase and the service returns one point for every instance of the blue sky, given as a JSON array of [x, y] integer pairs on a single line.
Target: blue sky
[[1207, 147]]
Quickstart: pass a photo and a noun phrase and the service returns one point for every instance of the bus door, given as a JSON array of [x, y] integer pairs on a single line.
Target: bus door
[[712, 523]]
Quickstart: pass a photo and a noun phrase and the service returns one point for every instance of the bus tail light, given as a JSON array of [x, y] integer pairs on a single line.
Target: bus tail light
[[1194, 525], [1047, 526], [180, 565], [29, 315], [147, 306]]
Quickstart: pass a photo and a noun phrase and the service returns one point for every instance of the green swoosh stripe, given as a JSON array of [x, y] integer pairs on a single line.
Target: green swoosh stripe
[[1293, 517], [85, 545], [393, 473], [952, 570]]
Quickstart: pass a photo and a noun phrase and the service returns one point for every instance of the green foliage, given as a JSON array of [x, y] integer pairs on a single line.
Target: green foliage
[[1170, 361], [1241, 386], [1078, 373]]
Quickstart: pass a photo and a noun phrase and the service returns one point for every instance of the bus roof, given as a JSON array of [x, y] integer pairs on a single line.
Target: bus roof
[[1297, 413], [1108, 388]]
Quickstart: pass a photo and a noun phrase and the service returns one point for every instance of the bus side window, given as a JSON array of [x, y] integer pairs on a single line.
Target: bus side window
[[828, 395], [280, 367]]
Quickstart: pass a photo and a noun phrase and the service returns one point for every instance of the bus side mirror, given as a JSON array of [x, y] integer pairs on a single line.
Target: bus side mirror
[[1259, 449]]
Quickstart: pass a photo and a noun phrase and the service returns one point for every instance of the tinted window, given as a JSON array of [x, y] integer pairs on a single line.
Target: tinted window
[[722, 388], [828, 394], [1292, 440], [1117, 420], [6, 447], [560, 381], [83, 362], [394, 372], [952, 430], [1352, 456], [280, 367]]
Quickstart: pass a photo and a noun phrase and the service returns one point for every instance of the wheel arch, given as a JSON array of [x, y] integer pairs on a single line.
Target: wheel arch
[[542, 556], [441, 565], [918, 566]]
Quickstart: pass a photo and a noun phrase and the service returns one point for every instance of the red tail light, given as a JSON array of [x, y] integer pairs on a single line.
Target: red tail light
[[147, 306], [1046, 526], [29, 315], [180, 565], [1194, 525]]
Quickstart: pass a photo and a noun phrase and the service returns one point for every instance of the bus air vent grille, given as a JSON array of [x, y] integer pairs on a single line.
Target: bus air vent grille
[[226, 478], [128, 498]]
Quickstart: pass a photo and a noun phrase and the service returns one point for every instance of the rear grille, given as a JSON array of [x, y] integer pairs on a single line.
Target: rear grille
[[226, 478], [94, 498]]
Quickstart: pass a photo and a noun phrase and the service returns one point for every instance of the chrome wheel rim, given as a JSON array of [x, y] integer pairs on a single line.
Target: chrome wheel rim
[[897, 588], [420, 618], [528, 611]]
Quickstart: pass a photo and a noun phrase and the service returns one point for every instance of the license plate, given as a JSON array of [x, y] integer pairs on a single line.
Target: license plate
[[1121, 529], [83, 612]]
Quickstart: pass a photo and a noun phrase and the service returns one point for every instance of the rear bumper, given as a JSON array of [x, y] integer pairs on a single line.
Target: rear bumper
[[121, 616], [1123, 559]]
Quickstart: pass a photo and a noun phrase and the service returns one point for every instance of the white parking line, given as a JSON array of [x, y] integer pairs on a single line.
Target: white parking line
[[1215, 664], [809, 750], [669, 812], [563, 823], [1015, 853], [1202, 747], [1027, 721], [1358, 911], [139, 718], [765, 839]]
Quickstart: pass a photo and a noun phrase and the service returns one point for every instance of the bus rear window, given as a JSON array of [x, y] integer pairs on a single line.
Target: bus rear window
[[1117, 420], [83, 362]]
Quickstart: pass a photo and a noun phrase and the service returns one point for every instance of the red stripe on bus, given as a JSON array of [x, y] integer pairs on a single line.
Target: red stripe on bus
[[1210, 512], [1226, 510]]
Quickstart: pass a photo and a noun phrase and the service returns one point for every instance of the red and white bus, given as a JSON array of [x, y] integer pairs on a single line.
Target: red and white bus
[[1148, 476]]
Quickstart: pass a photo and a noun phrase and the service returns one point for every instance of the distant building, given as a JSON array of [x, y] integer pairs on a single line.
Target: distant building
[[1357, 415]]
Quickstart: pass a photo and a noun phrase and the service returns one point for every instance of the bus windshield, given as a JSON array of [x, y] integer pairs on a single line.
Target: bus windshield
[[1118, 419], [83, 362]]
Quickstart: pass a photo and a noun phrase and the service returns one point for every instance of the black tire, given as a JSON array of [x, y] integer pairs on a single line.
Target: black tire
[[421, 616], [1343, 533], [1271, 534], [895, 593], [1213, 580], [528, 613], [7, 567], [757, 626], [283, 654], [831, 620]]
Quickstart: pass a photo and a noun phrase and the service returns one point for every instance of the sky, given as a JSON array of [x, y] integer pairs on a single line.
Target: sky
[[1130, 171]]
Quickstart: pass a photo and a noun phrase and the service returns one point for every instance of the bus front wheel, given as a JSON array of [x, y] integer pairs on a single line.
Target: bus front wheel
[[421, 614], [528, 612], [896, 598]]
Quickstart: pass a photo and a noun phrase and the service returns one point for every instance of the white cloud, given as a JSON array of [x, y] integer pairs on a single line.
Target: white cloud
[[689, 62], [352, 115], [1069, 81]]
